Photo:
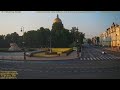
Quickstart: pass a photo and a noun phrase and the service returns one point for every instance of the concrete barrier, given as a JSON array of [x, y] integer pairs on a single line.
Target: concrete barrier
[[30, 54]]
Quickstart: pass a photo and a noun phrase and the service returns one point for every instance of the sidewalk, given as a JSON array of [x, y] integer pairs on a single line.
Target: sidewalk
[[72, 55], [112, 51]]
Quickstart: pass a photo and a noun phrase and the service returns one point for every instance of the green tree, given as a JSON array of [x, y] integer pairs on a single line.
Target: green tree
[[89, 41], [2, 41], [29, 38], [76, 36], [14, 37], [97, 38], [38, 38]]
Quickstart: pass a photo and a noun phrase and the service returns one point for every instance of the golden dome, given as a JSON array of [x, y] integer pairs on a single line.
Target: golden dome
[[57, 20]]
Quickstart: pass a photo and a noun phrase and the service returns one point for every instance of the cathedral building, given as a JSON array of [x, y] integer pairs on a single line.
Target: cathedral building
[[57, 24]]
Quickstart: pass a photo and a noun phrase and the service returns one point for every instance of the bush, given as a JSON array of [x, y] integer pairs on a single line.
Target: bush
[[3, 49], [68, 52], [31, 49]]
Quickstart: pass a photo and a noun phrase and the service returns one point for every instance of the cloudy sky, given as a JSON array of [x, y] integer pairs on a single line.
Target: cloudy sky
[[91, 23]]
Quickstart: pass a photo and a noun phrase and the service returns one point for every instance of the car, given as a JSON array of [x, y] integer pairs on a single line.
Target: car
[[103, 52], [28, 54]]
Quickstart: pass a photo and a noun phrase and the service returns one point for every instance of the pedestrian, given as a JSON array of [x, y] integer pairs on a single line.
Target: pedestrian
[[78, 51]]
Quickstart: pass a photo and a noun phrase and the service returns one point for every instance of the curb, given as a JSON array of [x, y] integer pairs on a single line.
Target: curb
[[36, 60]]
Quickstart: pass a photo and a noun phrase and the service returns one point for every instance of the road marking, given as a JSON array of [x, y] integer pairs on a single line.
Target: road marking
[[112, 58], [80, 58], [109, 58], [94, 58], [91, 58], [87, 58], [102, 58], [97, 58]]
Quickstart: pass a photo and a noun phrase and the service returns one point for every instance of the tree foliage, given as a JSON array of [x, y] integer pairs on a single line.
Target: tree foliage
[[89, 41], [58, 35], [9, 38]]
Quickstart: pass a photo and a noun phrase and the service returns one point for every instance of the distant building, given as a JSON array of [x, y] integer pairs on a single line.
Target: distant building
[[95, 40], [111, 37]]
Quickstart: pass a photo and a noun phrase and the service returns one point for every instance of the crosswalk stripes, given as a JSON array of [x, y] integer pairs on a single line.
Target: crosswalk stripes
[[110, 57], [99, 58], [87, 58], [90, 58], [104, 58], [81, 58]]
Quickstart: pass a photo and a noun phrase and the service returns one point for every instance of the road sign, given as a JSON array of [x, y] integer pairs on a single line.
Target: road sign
[[74, 48]]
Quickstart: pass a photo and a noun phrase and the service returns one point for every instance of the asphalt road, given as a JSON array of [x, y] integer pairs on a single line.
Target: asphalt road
[[92, 65]]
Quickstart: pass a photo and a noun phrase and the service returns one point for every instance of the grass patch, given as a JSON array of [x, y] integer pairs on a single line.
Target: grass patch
[[3, 49], [62, 50], [55, 52], [42, 54]]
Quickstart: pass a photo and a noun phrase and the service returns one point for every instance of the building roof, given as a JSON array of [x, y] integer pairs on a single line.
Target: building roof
[[57, 20]]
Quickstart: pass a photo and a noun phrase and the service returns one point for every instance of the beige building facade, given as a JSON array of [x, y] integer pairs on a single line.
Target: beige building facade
[[111, 37]]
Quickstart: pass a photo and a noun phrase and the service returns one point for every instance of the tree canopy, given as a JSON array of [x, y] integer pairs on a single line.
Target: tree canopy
[[58, 35]]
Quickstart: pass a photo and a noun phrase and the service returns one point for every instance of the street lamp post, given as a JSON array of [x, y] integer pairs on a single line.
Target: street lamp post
[[50, 43], [22, 30]]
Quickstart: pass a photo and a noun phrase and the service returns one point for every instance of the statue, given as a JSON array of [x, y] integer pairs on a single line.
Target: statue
[[14, 47]]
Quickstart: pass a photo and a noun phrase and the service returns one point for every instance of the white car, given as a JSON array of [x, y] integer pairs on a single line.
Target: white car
[[103, 52], [28, 54]]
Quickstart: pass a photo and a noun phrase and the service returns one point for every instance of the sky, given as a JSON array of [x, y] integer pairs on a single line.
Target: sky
[[92, 23]]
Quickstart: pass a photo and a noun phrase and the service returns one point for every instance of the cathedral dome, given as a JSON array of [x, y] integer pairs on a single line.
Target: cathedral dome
[[57, 20]]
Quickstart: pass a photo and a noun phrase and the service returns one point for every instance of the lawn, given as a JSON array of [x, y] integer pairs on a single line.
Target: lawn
[[58, 50], [61, 49], [42, 54]]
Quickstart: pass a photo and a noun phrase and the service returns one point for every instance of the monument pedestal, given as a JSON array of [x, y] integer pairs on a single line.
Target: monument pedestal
[[14, 47]]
